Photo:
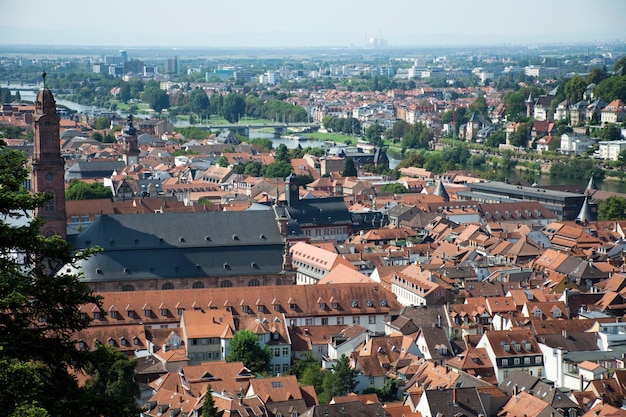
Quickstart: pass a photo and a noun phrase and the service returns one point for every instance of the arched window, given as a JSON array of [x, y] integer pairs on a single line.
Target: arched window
[[197, 284], [226, 284], [50, 203], [128, 287], [167, 286], [254, 283]]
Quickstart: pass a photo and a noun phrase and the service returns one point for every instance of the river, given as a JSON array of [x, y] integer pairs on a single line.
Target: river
[[513, 176]]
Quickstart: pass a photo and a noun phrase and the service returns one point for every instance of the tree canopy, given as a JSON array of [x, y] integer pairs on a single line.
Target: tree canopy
[[156, 98], [349, 169], [79, 190], [245, 347], [613, 208], [40, 314], [340, 381], [208, 405]]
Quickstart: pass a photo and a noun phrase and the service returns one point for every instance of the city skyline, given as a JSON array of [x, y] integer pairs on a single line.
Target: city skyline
[[281, 24]]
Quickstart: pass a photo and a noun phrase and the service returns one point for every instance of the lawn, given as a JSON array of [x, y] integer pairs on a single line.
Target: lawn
[[332, 137]]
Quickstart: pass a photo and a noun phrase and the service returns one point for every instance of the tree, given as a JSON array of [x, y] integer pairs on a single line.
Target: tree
[[156, 98], [113, 388], [244, 347], [520, 136], [349, 169], [282, 153], [79, 190], [124, 93], [299, 366], [596, 75], [279, 169], [610, 131], [199, 103], [373, 134], [574, 88], [39, 303], [222, 161], [208, 405], [400, 128], [395, 188], [314, 375], [234, 107], [340, 381], [101, 123], [613, 208]]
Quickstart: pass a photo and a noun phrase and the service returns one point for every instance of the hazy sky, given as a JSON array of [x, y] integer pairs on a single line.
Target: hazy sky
[[276, 23]]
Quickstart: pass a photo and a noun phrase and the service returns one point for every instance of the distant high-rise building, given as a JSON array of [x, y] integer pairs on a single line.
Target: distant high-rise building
[[171, 66], [123, 55]]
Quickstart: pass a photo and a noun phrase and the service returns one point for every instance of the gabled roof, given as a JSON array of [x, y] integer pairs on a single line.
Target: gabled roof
[[147, 246]]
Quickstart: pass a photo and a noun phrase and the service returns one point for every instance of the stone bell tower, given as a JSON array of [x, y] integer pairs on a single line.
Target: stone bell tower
[[48, 167]]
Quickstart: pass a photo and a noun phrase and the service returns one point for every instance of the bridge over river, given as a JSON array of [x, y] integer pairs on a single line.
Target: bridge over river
[[279, 128]]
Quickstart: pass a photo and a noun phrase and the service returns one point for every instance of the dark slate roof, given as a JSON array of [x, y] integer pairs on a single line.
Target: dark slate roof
[[93, 169], [182, 245], [467, 403], [355, 408], [320, 211], [146, 139]]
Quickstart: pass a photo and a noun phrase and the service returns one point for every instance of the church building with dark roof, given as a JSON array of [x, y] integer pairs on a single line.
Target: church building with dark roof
[[184, 250]]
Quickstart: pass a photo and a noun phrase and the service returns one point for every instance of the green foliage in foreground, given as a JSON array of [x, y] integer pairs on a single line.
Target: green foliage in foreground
[[40, 315]]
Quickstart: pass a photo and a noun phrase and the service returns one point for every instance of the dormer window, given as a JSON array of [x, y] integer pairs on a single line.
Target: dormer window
[[322, 306], [335, 306], [383, 303], [355, 304], [506, 347], [557, 313], [276, 307], [537, 313], [292, 306], [245, 308]]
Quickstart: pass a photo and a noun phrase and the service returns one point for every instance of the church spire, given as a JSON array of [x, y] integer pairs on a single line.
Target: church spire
[[585, 215], [441, 191], [591, 185]]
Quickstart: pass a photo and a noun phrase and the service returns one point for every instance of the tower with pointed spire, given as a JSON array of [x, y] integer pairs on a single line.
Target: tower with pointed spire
[[292, 190], [130, 150], [48, 167], [441, 191], [586, 214], [591, 186], [529, 105]]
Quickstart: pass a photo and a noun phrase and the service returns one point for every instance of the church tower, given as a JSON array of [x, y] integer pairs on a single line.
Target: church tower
[[130, 150], [292, 191], [48, 170]]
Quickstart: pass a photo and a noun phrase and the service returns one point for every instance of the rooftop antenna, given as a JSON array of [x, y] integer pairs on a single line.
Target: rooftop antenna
[[44, 75]]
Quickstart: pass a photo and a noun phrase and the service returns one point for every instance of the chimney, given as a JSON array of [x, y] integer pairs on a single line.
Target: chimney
[[515, 391], [454, 401]]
